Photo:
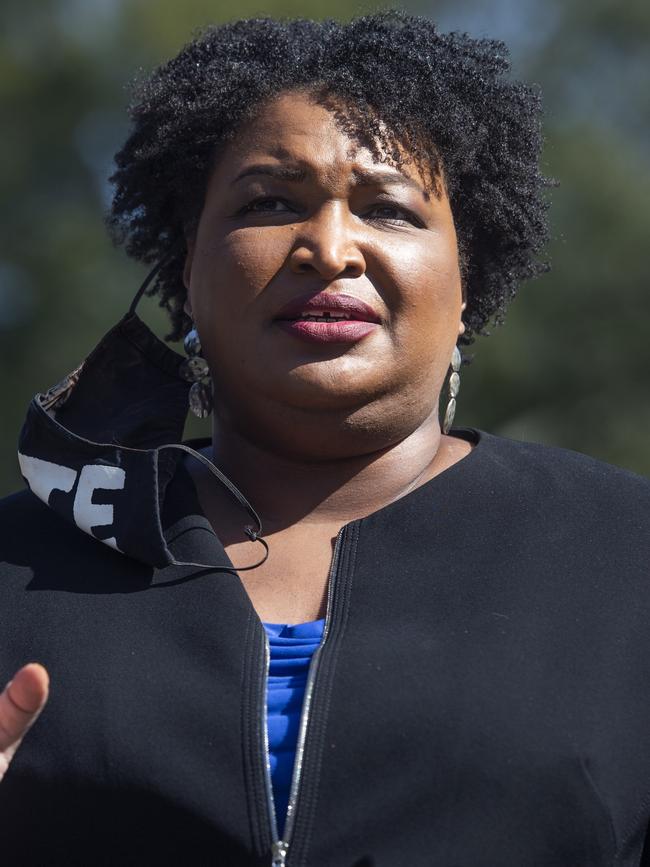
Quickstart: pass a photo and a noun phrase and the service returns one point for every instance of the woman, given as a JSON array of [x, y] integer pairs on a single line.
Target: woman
[[333, 209]]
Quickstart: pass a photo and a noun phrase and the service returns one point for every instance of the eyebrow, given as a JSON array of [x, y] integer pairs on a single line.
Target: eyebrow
[[366, 178], [283, 173], [363, 177]]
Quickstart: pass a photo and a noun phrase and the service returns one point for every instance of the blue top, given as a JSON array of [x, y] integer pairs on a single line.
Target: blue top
[[292, 648]]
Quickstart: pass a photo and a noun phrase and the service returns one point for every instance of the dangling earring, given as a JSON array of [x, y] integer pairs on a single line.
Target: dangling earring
[[454, 388], [195, 370]]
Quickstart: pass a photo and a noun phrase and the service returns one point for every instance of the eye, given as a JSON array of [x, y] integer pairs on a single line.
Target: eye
[[268, 205], [387, 213]]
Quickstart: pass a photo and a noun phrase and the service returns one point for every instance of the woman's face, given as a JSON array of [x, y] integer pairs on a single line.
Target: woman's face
[[299, 218]]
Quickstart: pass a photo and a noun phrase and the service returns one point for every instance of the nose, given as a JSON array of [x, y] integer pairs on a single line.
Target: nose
[[327, 245]]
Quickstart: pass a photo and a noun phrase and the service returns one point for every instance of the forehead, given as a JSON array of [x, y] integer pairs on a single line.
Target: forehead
[[295, 128]]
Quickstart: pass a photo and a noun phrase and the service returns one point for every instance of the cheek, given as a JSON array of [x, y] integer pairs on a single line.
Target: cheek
[[427, 297], [234, 271], [254, 257]]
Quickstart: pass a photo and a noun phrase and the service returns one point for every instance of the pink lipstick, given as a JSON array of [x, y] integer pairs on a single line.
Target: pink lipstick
[[328, 318]]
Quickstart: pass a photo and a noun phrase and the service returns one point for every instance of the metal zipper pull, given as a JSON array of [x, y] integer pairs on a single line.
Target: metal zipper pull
[[280, 848], [279, 853]]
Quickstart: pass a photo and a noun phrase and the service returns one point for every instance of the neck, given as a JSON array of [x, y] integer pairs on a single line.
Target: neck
[[285, 491]]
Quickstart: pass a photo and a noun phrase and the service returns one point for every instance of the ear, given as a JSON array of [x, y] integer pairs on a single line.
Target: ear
[[461, 326], [187, 274]]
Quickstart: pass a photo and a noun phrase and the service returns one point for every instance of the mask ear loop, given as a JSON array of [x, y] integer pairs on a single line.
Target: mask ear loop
[[171, 252], [255, 535]]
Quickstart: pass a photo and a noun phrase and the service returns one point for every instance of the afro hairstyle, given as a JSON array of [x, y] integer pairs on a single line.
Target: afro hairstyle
[[398, 84]]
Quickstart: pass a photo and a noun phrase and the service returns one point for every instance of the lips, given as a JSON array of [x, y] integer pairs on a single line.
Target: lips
[[328, 318], [339, 306]]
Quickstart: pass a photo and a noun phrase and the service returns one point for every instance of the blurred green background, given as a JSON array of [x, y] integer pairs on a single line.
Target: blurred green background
[[570, 367]]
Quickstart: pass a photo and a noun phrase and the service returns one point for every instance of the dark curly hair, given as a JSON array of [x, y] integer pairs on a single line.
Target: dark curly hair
[[393, 80]]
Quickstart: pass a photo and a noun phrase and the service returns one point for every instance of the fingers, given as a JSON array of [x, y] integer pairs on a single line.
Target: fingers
[[29, 687], [20, 703]]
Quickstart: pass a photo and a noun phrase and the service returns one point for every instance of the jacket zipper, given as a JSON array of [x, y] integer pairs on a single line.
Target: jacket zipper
[[280, 848]]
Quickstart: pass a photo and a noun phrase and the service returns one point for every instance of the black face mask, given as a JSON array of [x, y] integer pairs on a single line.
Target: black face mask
[[101, 446]]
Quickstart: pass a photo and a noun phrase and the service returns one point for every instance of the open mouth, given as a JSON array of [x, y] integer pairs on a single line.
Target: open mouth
[[325, 316], [327, 328], [328, 317]]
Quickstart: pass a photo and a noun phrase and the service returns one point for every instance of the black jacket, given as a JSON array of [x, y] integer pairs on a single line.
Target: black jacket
[[482, 697]]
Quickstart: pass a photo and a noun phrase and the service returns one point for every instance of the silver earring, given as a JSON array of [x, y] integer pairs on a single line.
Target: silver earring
[[195, 370], [454, 388]]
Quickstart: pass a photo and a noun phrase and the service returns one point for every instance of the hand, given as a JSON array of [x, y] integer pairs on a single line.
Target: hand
[[21, 702]]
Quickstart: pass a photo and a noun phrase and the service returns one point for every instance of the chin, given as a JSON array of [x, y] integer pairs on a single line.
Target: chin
[[334, 392]]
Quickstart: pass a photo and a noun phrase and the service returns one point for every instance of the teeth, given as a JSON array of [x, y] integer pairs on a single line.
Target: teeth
[[319, 317]]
